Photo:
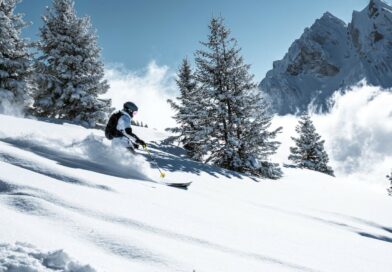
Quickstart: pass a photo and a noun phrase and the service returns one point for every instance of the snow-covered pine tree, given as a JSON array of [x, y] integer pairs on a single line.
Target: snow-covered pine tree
[[234, 115], [308, 151], [187, 109], [15, 60], [257, 141], [389, 177], [70, 72]]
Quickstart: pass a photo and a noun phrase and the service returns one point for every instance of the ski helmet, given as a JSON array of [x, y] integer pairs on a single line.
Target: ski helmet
[[130, 107]]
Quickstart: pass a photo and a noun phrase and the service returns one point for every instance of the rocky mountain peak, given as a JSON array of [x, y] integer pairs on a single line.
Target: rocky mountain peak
[[330, 56], [375, 7], [329, 17]]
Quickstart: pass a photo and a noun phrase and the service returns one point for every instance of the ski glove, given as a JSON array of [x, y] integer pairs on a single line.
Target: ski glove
[[141, 142]]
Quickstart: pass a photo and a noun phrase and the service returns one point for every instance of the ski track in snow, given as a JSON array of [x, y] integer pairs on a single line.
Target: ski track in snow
[[28, 165], [334, 223], [22, 201], [72, 161], [28, 200], [25, 202], [57, 164], [34, 202]]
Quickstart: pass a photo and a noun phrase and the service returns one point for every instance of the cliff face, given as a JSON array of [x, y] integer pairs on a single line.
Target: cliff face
[[330, 56], [371, 35]]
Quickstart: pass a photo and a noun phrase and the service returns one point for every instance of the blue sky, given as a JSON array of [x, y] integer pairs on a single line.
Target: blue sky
[[135, 32]]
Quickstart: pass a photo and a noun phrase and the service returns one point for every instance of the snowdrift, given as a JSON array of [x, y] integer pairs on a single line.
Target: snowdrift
[[25, 257], [89, 208]]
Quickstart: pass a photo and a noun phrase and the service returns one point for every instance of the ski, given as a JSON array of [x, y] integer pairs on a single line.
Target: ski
[[180, 185]]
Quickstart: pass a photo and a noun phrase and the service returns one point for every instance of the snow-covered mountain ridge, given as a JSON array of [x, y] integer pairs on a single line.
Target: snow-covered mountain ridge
[[63, 188], [331, 56]]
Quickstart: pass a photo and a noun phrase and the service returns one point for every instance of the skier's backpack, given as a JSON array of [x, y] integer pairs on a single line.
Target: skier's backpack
[[111, 128]]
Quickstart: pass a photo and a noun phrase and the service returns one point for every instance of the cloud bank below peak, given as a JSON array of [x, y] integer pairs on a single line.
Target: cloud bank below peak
[[357, 133], [149, 89]]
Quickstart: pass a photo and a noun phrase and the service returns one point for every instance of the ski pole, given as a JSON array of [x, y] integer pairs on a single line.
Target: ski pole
[[162, 174]]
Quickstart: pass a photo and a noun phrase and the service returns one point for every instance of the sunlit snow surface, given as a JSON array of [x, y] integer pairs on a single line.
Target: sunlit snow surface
[[63, 188]]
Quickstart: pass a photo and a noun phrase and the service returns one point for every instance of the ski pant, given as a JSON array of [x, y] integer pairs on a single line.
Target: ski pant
[[123, 143]]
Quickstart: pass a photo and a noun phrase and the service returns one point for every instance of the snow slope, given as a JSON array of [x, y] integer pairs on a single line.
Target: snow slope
[[63, 188]]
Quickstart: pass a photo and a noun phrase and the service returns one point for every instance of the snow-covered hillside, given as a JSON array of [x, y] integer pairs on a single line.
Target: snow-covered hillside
[[331, 56], [68, 201]]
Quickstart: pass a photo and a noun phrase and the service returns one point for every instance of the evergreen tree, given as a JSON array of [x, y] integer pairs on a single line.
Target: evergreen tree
[[309, 150], [70, 73], [186, 109], [257, 141], [233, 119], [389, 177], [15, 59]]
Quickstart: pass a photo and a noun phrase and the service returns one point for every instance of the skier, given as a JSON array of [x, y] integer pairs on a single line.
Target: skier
[[119, 128]]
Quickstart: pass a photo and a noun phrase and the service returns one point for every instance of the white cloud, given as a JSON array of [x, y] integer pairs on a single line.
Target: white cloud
[[148, 89], [357, 134]]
